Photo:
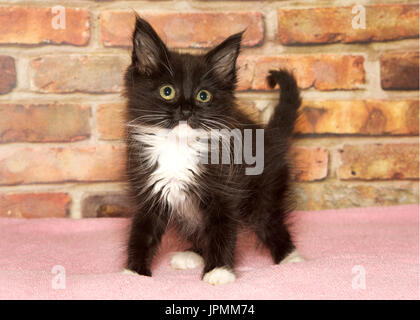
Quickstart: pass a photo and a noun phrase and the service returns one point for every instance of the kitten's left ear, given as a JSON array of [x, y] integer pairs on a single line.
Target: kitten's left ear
[[222, 59], [149, 51]]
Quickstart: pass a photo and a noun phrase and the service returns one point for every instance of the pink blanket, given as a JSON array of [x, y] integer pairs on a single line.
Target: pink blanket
[[370, 253]]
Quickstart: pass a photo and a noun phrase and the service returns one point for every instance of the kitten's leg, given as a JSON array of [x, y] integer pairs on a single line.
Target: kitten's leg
[[218, 249], [277, 238], [146, 234]]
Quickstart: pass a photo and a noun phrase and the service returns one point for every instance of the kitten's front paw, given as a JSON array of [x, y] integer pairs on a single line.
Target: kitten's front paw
[[219, 276], [186, 260], [292, 257]]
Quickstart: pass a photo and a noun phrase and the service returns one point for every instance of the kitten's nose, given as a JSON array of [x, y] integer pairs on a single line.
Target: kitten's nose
[[186, 112]]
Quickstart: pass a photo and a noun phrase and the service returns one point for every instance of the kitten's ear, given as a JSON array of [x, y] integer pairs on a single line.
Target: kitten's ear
[[149, 51], [222, 59]]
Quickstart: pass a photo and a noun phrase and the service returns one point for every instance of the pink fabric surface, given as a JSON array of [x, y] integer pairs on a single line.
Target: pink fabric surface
[[384, 241]]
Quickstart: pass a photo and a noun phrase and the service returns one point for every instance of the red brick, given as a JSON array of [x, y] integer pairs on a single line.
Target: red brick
[[185, 30], [24, 165], [331, 25], [309, 163], [34, 205], [323, 72], [108, 205], [43, 122], [364, 117], [400, 70], [110, 121], [78, 73], [28, 25], [379, 161], [334, 195], [7, 74]]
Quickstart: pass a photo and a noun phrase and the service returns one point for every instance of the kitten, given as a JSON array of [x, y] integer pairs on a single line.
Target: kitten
[[176, 94]]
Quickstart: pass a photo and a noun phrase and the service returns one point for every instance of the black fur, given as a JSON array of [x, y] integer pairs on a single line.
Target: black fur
[[228, 199]]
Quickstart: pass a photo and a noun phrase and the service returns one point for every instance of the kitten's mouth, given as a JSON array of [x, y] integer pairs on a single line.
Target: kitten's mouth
[[191, 124]]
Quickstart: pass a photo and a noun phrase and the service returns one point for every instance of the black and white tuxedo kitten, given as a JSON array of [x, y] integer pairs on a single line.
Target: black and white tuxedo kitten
[[173, 99]]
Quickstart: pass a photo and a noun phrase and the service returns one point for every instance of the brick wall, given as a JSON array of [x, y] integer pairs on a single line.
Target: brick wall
[[61, 152]]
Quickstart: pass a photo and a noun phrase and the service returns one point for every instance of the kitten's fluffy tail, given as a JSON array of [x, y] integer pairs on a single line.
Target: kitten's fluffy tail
[[286, 112]]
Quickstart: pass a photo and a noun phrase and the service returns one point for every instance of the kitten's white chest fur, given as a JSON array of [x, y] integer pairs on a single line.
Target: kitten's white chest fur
[[174, 153]]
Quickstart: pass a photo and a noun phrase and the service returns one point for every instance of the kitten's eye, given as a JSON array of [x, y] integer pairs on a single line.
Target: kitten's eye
[[167, 92], [203, 96]]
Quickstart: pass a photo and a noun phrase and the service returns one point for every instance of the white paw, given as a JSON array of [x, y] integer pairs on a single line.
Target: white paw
[[293, 256], [186, 260], [126, 271], [219, 276]]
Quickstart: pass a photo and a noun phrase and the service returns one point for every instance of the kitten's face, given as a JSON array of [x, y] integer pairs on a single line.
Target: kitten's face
[[165, 88]]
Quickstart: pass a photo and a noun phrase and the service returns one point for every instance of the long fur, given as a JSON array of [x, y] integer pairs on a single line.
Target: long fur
[[207, 203]]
